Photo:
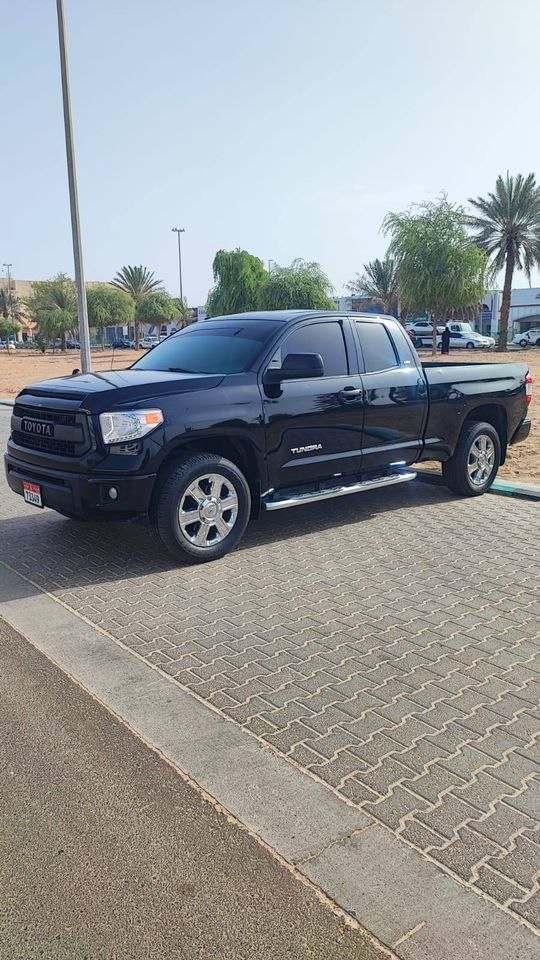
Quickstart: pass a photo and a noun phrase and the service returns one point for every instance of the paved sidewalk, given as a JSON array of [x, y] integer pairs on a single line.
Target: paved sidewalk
[[107, 854]]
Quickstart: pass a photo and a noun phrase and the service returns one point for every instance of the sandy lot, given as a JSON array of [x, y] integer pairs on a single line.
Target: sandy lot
[[20, 368]]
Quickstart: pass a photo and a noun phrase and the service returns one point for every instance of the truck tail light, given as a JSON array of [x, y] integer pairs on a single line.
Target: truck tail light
[[528, 388]]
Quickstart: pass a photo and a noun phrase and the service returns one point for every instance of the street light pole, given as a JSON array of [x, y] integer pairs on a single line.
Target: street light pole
[[10, 300], [8, 268], [179, 230], [84, 332]]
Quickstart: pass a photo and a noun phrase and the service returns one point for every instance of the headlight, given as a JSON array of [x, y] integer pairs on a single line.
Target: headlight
[[124, 425]]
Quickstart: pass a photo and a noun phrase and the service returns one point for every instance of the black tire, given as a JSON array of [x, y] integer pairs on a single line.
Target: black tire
[[524, 343], [172, 490], [470, 345], [538, 342], [456, 470]]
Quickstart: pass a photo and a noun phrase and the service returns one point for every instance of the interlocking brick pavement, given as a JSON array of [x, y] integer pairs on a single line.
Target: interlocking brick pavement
[[389, 643]]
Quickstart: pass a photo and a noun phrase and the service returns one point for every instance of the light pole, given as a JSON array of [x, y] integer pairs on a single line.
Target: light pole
[[179, 230], [84, 332], [8, 268], [10, 301]]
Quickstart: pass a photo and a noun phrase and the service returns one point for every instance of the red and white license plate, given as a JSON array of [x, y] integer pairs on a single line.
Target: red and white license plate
[[32, 493]]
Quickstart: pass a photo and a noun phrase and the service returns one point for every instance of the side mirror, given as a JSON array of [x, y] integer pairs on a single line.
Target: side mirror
[[296, 366]]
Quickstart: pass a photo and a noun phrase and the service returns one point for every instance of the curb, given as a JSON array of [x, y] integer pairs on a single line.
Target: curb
[[504, 488], [6, 402]]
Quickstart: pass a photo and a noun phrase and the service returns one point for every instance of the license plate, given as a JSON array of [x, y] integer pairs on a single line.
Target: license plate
[[32, 493], [39, 428]]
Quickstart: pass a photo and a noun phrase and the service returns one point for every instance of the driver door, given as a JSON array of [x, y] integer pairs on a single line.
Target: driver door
[[314, 425]]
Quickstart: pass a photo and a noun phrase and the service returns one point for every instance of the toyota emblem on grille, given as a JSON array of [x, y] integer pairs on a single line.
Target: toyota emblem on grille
[[38, 428]]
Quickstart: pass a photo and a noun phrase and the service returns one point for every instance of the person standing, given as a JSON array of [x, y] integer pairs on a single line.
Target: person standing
[[445, 345]]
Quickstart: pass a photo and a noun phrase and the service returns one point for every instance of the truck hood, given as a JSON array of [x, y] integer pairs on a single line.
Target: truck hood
[[95, 391]]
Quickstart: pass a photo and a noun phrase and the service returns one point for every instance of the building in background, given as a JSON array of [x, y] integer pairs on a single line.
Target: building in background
[[524, 310]]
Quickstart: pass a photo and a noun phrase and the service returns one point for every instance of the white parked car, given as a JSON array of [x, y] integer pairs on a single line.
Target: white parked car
[[463, 335], [148, 342], [422, 327], [529, 338]]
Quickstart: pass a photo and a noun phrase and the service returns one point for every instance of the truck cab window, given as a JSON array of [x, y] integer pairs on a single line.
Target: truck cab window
[[324, 338], [377, 347]]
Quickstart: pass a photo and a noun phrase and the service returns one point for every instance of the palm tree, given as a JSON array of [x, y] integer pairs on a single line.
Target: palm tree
[[11, 306], [11, 314], [507, 229], [137, 282], [378, 283]]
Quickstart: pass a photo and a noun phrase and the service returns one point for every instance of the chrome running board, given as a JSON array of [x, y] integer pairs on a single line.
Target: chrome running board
[[360, 486]]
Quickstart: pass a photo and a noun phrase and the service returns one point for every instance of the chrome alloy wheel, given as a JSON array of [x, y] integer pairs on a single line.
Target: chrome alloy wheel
[[481, 459], [208, 510]]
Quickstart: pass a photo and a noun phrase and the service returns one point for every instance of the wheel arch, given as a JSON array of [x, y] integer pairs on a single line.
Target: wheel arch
[[236, 449], [495, 414]]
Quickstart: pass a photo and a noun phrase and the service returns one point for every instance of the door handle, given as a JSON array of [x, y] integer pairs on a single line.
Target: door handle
[[350, 393]]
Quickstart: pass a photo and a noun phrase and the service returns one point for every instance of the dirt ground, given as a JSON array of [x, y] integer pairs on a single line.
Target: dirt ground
[[523, 463]]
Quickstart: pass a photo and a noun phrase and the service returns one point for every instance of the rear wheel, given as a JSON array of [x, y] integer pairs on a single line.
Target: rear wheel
[[538, 342], [201, 507], [470, 345], [473, 467]]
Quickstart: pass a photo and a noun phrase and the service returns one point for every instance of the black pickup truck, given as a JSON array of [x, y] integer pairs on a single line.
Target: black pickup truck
[[259, 411]]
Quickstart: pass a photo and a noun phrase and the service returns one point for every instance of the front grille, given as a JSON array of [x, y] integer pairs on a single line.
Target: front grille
[[62, 418], [65, 448], [72, 438]]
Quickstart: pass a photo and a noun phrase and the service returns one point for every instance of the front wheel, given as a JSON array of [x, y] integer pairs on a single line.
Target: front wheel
[[201, 507], [524, 343], [473, 467], [470, 345]]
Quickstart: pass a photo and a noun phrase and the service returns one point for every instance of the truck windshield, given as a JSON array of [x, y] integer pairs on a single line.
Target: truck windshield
[[219, 347]]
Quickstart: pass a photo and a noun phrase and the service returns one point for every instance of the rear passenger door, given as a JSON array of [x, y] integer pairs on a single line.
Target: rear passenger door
[[395, 396]]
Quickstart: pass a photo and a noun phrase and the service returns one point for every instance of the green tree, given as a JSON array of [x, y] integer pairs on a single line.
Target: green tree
[[439, 268], [11, 315], [137, 282], [108, 308], [300, 286], [157, 308], [379, 283], [239, 278], [53, 307], [507, 228]]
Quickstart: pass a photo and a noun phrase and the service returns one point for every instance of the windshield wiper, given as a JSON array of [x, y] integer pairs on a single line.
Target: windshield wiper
[[179, 370]]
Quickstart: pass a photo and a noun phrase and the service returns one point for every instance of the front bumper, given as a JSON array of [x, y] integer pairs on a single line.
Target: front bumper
[[522, 432], [83, 495]]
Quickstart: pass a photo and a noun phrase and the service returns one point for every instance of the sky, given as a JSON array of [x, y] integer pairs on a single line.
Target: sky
[[287, 128]]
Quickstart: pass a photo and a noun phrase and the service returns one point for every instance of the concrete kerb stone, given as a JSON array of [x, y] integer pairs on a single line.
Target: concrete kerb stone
[[504, 488], [387, 886]]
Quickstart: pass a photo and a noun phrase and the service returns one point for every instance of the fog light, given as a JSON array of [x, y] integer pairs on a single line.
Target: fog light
[[113, 493]]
